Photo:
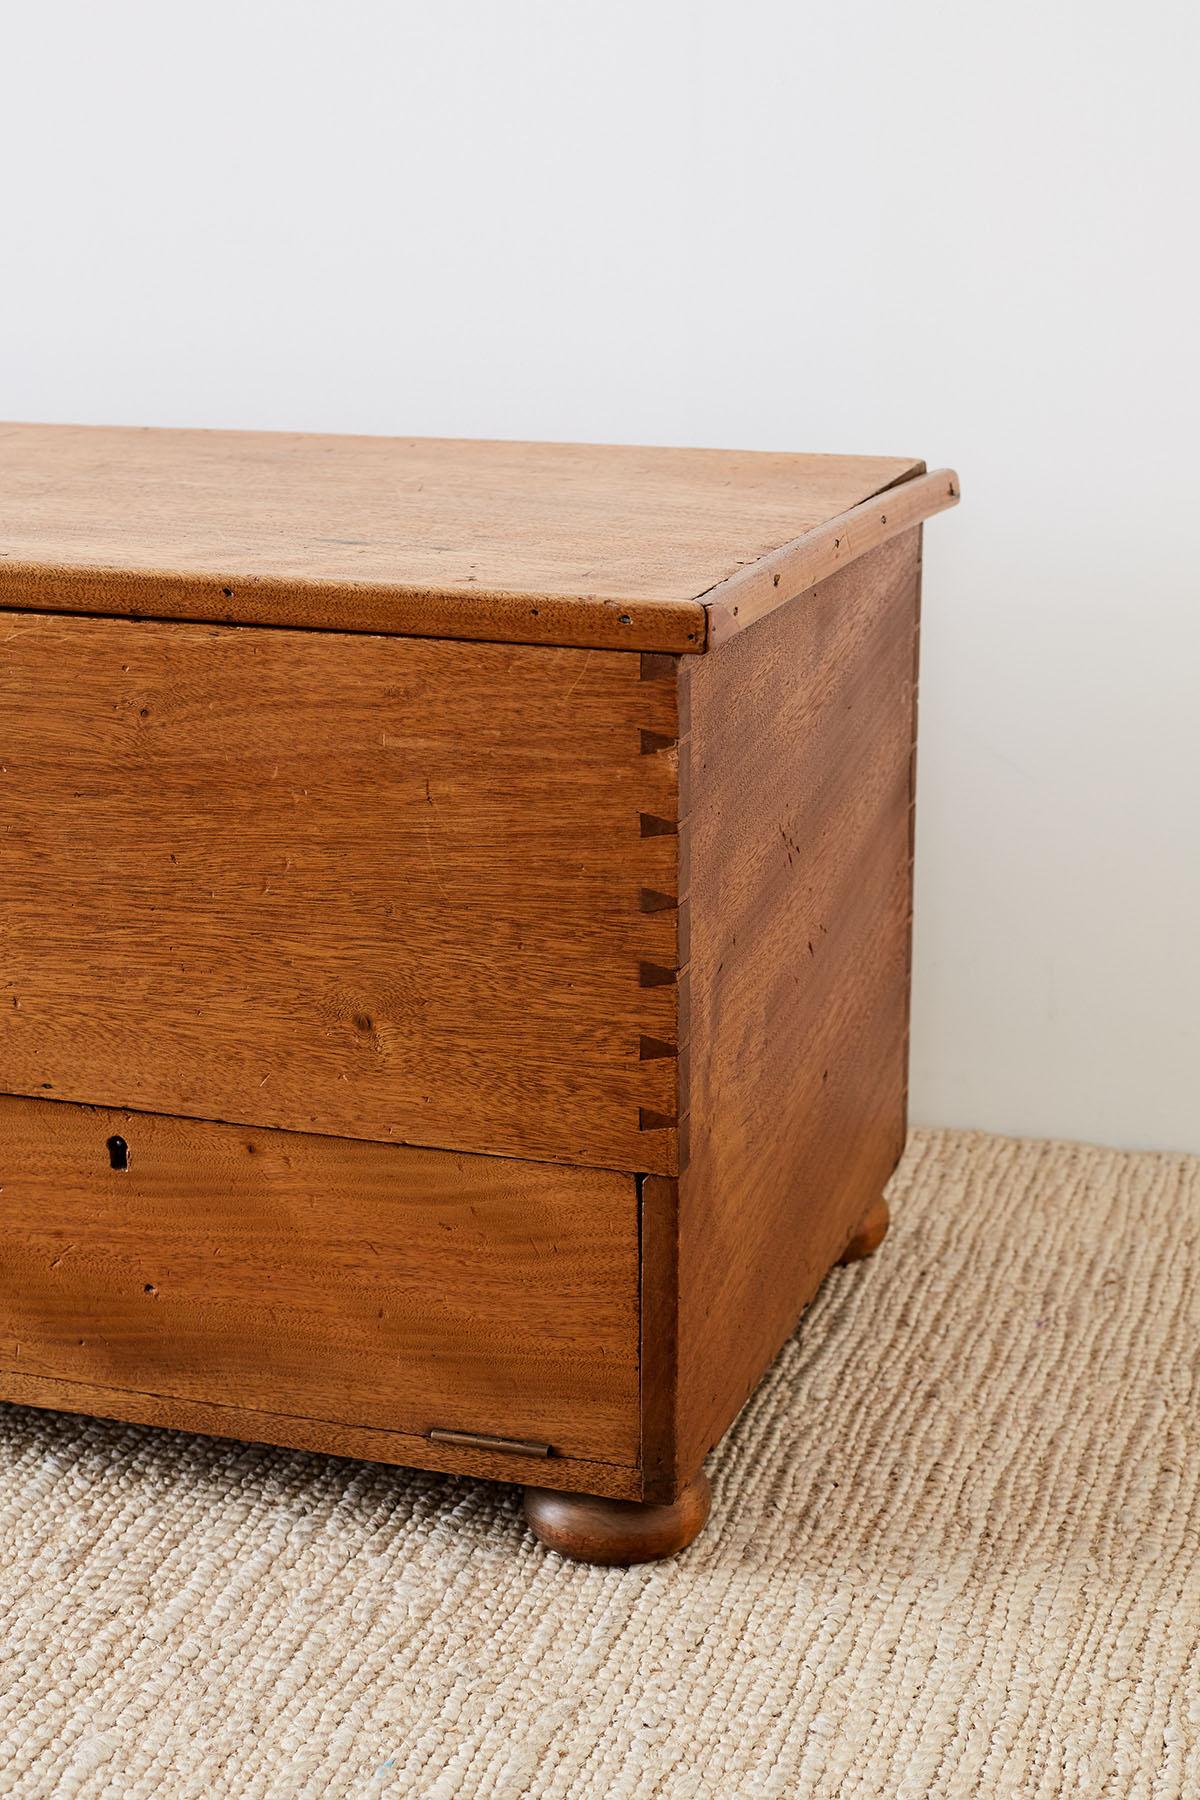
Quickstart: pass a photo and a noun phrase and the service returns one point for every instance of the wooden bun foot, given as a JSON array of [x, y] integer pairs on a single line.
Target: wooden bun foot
[[869, 1235], [617, 1532]]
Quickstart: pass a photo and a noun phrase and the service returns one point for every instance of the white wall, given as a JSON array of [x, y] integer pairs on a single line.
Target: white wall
[[957, 230]]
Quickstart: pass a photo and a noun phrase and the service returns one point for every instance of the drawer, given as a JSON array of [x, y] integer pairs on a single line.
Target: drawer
[[321, 1278], [389, 888]]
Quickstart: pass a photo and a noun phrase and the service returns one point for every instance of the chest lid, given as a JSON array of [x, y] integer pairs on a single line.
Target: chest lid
[[611, 546]]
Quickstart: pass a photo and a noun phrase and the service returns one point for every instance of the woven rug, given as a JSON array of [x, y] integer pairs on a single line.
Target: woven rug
[[954, 1551]]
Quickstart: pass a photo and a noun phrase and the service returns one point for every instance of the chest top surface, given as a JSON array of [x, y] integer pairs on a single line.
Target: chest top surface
[[606, 545]]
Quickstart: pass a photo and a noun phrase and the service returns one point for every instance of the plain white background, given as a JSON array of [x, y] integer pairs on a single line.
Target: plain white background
[[958, 231]]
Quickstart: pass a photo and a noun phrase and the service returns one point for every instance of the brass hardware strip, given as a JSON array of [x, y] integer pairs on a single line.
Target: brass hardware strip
[[475, 1440]]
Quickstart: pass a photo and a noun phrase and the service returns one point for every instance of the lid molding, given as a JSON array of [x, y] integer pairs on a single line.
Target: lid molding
[[613, 547], [794, 568]]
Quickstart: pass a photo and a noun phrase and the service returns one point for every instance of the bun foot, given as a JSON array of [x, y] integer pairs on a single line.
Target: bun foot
[[869, 1235], [617, 1532]]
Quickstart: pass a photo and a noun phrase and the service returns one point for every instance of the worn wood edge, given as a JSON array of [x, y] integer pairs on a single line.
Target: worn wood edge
[[912, 839], [783, 574], [665, 1152], [379, 609], [658, 1193], [658, 1352], [676, 627], [325, 1436]]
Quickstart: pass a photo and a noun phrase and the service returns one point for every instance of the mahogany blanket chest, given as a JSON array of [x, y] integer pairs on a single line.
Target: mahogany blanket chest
[[455, 904]]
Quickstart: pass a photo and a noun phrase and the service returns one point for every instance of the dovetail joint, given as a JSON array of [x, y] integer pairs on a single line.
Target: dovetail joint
[[655, 1121], [654, 741], [651, 901], [655, 975]]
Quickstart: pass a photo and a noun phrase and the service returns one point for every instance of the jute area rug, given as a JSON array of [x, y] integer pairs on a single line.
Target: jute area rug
[[954, 1551]]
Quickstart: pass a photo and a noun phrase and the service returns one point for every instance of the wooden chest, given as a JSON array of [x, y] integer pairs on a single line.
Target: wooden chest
[[455, 911]]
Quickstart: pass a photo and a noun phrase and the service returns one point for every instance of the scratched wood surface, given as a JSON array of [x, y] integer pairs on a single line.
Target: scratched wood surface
[[367, 1286], [801, 755], [606, 545], [386, 888]]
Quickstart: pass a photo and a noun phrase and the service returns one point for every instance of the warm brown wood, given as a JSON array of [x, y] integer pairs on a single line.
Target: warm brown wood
[[329, 1437], [868, 1234], [617, 1532], [660, 1329], [617, 932], [380, 887], [799, 851], [594, 545], [796, 567], [324, 1280]]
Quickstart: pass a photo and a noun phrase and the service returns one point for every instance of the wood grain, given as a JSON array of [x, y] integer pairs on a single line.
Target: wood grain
[[800, 750], [378, 887], [632, 921], [593, 545], [795, 568], [363, 1286], [327, 1437]]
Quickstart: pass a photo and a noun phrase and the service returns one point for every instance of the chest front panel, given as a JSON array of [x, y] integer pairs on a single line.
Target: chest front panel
[[397, 889], [402, 1291]]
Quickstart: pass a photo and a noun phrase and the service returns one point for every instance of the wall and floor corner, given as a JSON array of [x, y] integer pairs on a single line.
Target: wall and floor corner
[[940, 229]]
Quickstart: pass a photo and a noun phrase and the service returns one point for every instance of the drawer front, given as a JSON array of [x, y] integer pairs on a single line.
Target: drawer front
[[325, 1278], [386, 888]]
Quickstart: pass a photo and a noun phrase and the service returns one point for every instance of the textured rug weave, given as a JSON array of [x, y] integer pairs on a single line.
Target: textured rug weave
[[954, 1551]]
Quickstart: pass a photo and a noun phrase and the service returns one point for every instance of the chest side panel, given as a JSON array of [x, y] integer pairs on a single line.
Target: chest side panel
[[378, 887], [801, 752]]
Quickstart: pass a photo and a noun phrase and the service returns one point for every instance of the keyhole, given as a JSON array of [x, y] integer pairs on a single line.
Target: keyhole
[[118, 1153]]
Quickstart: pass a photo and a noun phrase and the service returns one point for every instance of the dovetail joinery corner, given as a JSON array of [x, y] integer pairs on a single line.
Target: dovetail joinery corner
[[664, 832], [658, 1192]]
